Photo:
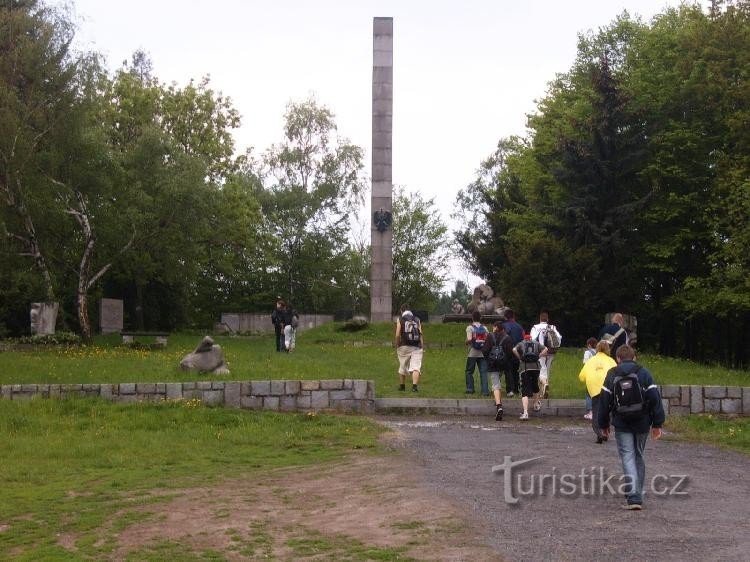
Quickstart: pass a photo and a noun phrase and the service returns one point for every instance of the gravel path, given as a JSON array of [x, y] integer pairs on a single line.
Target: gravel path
[[709, 521]]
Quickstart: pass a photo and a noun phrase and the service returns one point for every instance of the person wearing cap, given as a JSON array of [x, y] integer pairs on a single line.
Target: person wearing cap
[[528, 353]]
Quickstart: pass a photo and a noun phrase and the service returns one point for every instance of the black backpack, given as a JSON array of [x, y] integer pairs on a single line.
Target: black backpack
[[496, 356], [629, 397], [410, 333], [529, 354]]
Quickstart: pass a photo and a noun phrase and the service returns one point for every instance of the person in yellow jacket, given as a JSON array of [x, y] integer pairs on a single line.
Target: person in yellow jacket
[[593, 374]]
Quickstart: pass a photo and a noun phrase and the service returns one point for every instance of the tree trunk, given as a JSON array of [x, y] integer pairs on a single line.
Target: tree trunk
[[82, 301]]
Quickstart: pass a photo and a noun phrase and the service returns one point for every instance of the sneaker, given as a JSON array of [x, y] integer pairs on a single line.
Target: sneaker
[[414, 388], [499, 414], [402, 387], [588, 416], [537, 405], [632, 506], [469, 392], [510, 394], [524, 416]]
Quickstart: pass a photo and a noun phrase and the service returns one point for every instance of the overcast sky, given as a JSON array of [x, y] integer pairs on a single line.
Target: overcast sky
[[465, 73]]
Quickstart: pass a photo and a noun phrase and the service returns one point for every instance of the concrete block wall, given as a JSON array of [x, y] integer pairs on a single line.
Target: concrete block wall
[[352, 395], [697, 399], [343, 395]]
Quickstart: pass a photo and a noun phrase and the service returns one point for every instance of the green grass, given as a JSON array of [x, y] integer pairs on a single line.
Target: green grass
[[322, 353], [88, 468], [730, 432]]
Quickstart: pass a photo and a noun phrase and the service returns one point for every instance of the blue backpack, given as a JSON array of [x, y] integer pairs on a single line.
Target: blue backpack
[[478, 337]]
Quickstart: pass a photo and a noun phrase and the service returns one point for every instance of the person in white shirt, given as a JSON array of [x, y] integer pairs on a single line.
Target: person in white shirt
[[538, 333]]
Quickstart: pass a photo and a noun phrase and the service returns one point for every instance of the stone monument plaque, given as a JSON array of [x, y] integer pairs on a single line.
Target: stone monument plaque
[[111, 316], [43, 317]]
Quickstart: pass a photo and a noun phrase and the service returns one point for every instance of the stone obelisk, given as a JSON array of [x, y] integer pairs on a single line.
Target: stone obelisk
[[381, 273]]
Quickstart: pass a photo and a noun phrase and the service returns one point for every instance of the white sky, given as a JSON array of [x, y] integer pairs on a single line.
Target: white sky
[[466, 73]]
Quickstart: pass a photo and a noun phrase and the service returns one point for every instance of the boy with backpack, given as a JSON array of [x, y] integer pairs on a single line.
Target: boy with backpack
[[631, 396], [529, 352], [409, 348], [476, 338], [499, 350], [547, 335]]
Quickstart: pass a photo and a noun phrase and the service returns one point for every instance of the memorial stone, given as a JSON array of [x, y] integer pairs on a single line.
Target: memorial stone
[[111, 316]]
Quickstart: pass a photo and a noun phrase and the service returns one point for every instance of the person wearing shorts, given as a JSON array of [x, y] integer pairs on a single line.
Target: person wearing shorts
[[529, 369], [496, 371], [408, 349]]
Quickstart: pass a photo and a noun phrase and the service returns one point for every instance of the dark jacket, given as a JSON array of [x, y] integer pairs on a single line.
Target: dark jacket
[[514, 330], [612, 329], [507, 344], [654, 414], [276, 318], [288, 316]]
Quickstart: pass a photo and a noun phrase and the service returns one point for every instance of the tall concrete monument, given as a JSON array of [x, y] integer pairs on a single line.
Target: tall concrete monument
[[381, 275]]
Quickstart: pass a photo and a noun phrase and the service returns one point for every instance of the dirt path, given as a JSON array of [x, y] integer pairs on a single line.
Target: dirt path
[[710, 521], [433, 495], [366, 508]]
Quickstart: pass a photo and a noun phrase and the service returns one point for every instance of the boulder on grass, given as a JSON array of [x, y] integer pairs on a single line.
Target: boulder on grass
[[207, 358]]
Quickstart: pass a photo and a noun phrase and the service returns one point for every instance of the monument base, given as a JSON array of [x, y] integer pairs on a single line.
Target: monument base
[[466, 318]]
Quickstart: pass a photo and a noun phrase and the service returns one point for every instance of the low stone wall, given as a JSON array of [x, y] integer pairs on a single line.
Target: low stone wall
[[344, 395], [245, 322], [350, 395], [684, 399]]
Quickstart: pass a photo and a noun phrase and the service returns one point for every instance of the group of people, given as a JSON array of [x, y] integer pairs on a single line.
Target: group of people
[[523, 359], [285, 320], [620, 392]]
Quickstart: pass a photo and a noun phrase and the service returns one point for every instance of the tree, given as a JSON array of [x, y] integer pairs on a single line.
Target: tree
[[314, 183], [37, 88], [419, 251]]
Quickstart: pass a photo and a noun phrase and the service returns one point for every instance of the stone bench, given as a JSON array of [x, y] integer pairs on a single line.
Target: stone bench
[[160, 338]]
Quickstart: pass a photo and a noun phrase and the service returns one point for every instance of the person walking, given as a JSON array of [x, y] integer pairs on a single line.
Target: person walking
[[529, 353], [499, 350], [516, 332], [631, 397], [588, 353], [476, 336], [545, 333], [409, 340], [290, 321], [593, 374], [615, 333]]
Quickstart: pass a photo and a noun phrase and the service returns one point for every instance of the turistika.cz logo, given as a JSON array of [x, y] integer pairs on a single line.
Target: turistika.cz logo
[[593, 481]]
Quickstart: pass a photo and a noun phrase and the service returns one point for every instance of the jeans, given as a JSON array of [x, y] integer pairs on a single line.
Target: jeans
[[588, 402], [630, 447], [471, 363]]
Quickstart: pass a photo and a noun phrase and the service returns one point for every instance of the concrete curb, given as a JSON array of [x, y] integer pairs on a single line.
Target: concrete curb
[[476, 407]]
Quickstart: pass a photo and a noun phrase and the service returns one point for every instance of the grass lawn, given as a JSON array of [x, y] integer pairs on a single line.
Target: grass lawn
[[729, 432], [322, 353], [88, 468]]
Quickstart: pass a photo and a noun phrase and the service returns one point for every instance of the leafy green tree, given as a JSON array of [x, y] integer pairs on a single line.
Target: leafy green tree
[[37, 88], [419, 250], [314, 184]]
